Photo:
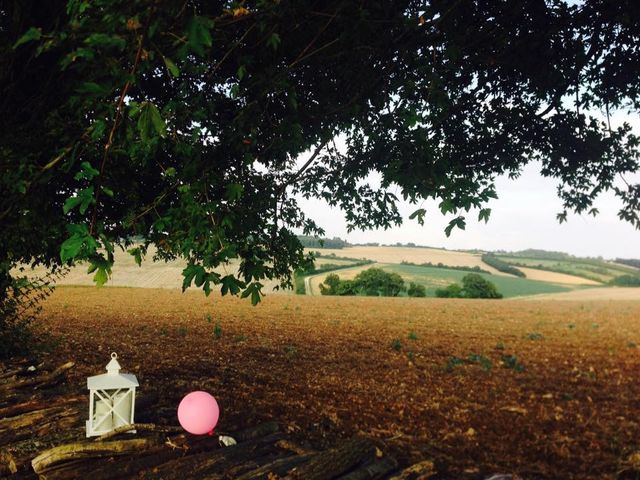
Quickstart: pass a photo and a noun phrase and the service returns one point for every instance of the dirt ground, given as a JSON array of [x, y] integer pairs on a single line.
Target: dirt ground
[[542, 389]]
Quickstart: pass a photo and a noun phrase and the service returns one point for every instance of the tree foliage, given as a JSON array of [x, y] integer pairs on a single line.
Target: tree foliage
[[183, 122], [473, 286], [372, 282]]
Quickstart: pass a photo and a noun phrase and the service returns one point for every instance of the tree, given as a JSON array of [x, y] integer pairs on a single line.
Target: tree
[[473, 286], [416, 290], [330, 285], [376, 282], [476, 286], [181, 123]]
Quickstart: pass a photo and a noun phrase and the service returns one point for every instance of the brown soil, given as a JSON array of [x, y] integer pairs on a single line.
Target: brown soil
[[326, 364]]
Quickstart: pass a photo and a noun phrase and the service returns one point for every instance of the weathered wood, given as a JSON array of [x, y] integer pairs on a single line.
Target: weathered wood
[[335, 461], [39, 404], [294, 447], [418, 471], [278, 467], [27, 425], [251, 433], [41, 381], [206, 463], [142, 427], [88, 450], [373, 471]]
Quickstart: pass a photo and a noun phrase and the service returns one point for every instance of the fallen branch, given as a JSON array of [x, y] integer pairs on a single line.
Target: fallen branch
[[41, 381], [146, 427], [88, 450]]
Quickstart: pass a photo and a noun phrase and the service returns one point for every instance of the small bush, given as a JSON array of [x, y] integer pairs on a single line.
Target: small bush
[[511, 362], [217, 331], [412, 336], [535, 336], [396, 344]]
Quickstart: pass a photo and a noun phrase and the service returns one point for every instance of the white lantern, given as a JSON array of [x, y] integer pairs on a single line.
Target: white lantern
[[111, 399]]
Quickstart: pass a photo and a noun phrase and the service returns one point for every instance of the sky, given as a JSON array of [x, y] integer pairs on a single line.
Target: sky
[[524, 216]]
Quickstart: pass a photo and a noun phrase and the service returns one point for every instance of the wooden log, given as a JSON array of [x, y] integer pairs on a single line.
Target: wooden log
[[41, 381], [373, 471], [88, 450], [27, 425], [251, 433], [335, 461], [142, 427], [278, 467], [39, 404], [418, 471], [201, 465], [294, 447]]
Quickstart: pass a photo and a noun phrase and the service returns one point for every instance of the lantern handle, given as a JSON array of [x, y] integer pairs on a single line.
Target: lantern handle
[[114, 355]]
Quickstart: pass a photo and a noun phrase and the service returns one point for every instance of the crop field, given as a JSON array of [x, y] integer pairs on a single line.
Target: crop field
[[414, 255], [594, 270], [434, 278], [541, 389]]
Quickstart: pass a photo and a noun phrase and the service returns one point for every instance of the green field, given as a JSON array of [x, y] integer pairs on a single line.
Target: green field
[[591, 269], [434, 278]]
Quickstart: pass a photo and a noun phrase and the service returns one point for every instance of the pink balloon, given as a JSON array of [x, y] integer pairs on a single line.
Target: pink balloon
[[198, 413]]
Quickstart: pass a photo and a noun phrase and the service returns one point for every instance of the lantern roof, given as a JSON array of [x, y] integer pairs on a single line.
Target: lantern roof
[[113, 378]]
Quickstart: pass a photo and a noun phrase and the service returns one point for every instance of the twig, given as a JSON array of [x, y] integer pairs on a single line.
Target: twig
[[148, 427]]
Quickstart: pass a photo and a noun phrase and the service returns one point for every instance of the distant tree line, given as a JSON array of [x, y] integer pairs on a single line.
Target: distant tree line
[[493, 261], [309, 241], [372, 282], [626, 281], [473, 286], [632, 262], [475, 268]]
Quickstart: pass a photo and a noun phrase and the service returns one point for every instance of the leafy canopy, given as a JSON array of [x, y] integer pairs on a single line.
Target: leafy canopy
[[182, 123]]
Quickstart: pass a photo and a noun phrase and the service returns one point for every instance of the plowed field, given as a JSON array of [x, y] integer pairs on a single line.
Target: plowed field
[[543, 389]]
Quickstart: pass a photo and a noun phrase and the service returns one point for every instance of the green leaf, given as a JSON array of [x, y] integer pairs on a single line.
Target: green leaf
[[170, 172], [79, 244], [274, 41], [87, 172], [101, 276], [174, 71], [234, 191], [484, 214], [198, 36], [188, 273], [84, 198], [29, 36], [93, 89], [105, 40], [108, 192], [242, 70], [419, 214], [137, 255], [456, 222], [150, 121], [70, 204]]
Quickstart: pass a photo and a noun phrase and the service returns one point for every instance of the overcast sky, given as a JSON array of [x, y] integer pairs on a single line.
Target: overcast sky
[[524, 216]]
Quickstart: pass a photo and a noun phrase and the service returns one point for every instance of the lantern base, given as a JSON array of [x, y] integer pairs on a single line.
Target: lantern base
[[97, 434]]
